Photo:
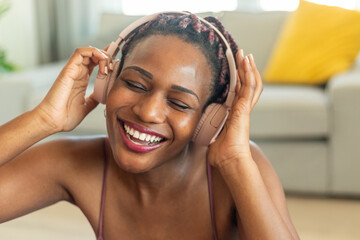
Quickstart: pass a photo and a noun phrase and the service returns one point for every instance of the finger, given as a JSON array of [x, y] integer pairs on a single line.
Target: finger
[[101, 58], [105, 65], [87, 52], [81, 56], [259, 83], [108, 60], [239, 59], [238, 82], [110, 64], [248, 84], [243, 100], [86, 61], [107, 47]]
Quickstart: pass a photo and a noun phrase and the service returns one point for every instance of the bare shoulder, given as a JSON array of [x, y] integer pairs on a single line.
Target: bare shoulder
[[71, 161], [273, 184], [270, 178], [258, 155], [82, 164], [70, 151], [63, 169], [77, 150], [265, 167], [76, 154]]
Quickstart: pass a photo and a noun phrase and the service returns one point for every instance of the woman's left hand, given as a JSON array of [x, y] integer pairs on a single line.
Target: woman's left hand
[[233, 142]]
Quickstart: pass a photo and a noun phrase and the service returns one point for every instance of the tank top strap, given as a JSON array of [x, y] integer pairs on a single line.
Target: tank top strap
[[211, 198], [102, 206]]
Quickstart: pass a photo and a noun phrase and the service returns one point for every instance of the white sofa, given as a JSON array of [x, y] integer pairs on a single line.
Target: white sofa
[[310, 134]]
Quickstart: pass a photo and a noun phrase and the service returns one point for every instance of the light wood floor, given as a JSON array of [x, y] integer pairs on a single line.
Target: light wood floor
[[314, 219], [325, 219]]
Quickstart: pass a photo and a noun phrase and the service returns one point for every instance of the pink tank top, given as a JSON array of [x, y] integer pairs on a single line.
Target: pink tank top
[[209, 177]]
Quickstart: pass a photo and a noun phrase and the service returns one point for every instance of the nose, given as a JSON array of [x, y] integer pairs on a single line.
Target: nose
[[151, 109]]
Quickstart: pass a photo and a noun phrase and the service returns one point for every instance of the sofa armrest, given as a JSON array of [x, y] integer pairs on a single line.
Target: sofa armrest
[[13, 95], [16, 88], [344, 132], [22, 91]]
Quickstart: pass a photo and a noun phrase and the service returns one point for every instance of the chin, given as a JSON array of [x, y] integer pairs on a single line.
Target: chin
[[134, 165]]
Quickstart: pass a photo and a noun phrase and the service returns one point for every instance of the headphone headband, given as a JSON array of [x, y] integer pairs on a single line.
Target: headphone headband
[[215, 115], [115, 46]]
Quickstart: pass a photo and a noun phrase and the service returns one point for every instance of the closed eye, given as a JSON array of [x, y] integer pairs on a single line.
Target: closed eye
[[178, 105], [134, 85]]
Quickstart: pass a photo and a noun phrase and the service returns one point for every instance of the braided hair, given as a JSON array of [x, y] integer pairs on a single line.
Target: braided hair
[[190, 29]]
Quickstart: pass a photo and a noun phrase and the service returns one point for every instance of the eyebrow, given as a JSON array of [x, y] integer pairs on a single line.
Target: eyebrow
[[182, 89], [141, 71]]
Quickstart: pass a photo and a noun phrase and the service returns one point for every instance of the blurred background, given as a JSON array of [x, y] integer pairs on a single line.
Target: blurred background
[[306, 121], [34, 32]]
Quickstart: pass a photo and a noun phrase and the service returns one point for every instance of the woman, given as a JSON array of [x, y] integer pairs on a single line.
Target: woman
[[148, 180]]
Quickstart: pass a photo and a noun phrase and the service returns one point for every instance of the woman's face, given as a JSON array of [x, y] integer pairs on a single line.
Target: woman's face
[[156, 102]]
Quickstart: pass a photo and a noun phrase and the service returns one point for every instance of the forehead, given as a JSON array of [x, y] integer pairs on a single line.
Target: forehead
[[172, 60]]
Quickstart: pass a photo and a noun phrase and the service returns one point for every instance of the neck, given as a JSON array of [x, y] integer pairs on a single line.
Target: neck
[[169, 178]]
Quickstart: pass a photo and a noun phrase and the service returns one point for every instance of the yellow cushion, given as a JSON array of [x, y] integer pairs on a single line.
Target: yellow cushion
[[317, 41]]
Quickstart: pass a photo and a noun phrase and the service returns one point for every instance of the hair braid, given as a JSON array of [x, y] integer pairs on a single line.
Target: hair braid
[[234, 48], [190, 29]]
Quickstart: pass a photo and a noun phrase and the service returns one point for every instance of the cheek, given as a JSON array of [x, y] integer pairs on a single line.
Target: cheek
[[184, 126], [120, 95], [117, 98]]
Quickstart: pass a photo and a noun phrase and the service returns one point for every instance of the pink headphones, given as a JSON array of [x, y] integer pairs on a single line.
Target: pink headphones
[[215, 115]]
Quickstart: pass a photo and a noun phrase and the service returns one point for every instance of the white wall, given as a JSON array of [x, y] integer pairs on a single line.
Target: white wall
[[18, 34], [18, 28]]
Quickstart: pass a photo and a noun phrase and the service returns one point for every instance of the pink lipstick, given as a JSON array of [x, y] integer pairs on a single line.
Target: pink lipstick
[[139, 139]]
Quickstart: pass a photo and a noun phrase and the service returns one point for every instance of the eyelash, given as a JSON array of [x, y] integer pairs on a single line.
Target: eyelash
[[137, 87], [181, 106]]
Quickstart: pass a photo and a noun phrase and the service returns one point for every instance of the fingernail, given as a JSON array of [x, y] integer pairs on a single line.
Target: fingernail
[[252, 57], [242, 52], [111, 66], [247, 58], [106, 70]]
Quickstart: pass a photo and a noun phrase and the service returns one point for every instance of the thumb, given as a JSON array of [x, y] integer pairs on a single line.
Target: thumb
[[90, 103]]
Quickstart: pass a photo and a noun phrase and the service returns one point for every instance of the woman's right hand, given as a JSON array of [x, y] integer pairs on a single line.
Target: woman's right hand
[[65, 105]]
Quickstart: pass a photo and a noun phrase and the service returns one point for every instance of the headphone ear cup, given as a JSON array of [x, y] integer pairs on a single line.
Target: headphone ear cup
[[103, 83], [210, 124], [112, 77]]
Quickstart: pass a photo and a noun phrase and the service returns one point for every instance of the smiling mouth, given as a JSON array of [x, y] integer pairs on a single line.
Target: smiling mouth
[[140, 138]]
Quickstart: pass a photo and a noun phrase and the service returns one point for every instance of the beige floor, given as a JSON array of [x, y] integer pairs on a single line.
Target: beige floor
[[326, 219], [314, 218]]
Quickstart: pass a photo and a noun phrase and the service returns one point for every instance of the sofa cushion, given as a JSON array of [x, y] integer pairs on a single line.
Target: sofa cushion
[[317, 42], [286, 111], [256, 32]]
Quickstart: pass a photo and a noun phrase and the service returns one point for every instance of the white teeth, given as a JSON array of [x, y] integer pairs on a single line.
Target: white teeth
[[136, 134], [142, 136]]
